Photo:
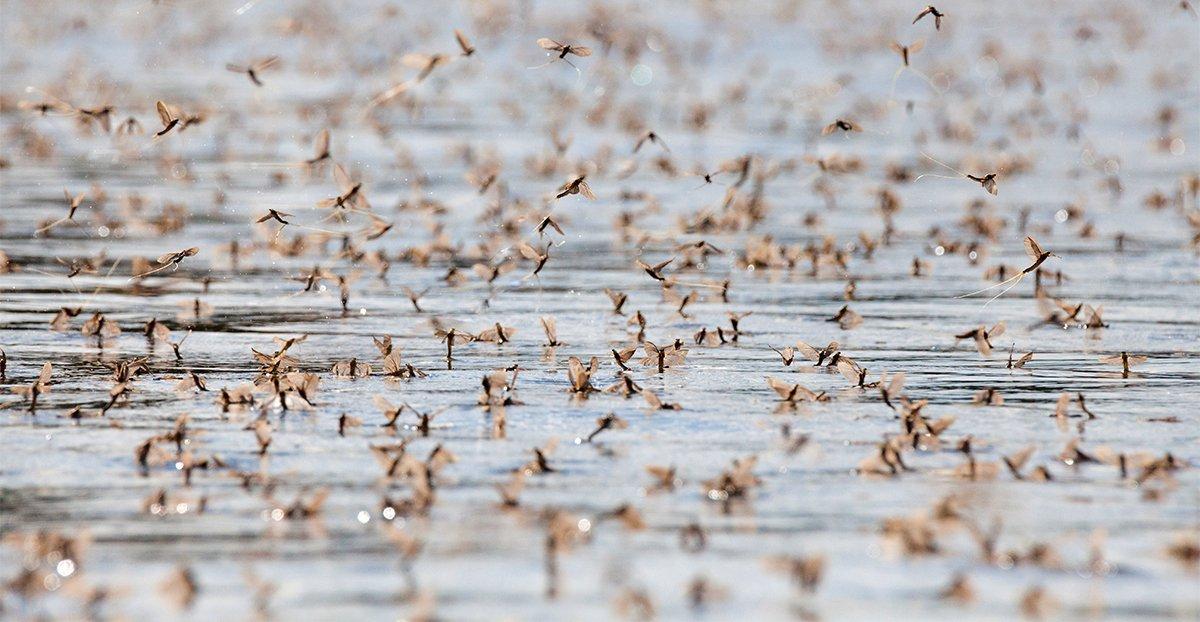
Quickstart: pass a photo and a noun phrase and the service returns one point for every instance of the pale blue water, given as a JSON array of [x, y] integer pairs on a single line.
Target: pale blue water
[[478, 561]]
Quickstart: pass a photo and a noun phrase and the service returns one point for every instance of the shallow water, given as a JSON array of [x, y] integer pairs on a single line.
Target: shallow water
[[481, 561]]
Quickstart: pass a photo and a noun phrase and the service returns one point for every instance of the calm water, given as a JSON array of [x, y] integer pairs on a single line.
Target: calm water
[[766, 77]]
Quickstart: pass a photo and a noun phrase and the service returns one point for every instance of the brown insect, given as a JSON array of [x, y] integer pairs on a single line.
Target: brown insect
[[825, 356], [169, 119], [663, 358], [665, 477], [655, 403], [510, 492], [320, 148], [792, 393], [351, 369], [618, 299], [842, 125], [551, 330], [655, 271], [170, 260], [1019, 363], [622, 356], [988, 181], [846, 318], [890, 390], [852, 371], [577, 185], [982, 336], [539, 257], [274, 215], [73, 203], [563, 49], [607, 422], [497, 334], [452, 338], [652, 137], [580, 376], [788, 354], [425, 63], [463, 43], [1125, 360], [905, 51], [931, 10], [548, 222], [252, 70], [40, 385], [1036, 254], [350, 196], [414, 297]]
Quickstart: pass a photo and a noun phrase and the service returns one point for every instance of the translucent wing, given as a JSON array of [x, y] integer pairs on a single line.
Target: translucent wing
[[342, 178], [551, 328], [462, 41], [321, 142], [528, 252], [164, 113], [586, 190], [1017, 461], [581, 51], [266, 63], [383, 404], [897, 384], [1061, 407], [848, 369], [808, 351], [1032, 249], [416, 61], [916, 46], [549, 44], [651, 399]]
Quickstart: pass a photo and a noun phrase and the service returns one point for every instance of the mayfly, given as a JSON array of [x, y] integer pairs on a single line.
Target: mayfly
[[350, 197], [39, 386], [563, 49], [792, 393], [539, 256], [840, 125], [169, 260], [663, 358], [252, 70], [578, 185], [656, 403], [607, 422], [983, 336], [1125, 360], [827, 355], [463, 43], [169, 119], [988, 181], [906, 52], [1038, 257], [652, 137], [931, 10], [321, 151], [73, 203]]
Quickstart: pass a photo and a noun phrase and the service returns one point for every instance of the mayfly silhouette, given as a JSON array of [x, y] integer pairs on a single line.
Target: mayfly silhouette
[[1036, 254]]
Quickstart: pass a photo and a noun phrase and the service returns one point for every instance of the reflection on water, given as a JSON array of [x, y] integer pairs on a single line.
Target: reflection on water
[[1086, 109]]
